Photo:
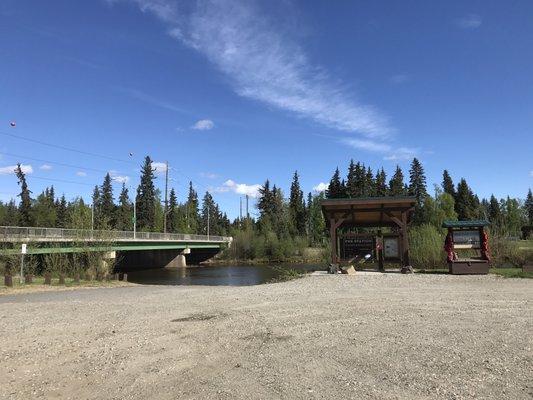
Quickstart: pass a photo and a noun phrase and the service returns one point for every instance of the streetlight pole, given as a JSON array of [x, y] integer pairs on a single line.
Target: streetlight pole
[[135, 218], [166, 199], [208, 212]]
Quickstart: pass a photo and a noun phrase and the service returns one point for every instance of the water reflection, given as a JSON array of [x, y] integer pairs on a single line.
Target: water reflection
[[213, 276]]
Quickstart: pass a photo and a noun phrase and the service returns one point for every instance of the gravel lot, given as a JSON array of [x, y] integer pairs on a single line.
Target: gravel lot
[[368, 336]]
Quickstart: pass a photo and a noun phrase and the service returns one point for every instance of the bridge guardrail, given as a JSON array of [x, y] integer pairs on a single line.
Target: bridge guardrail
[[37, 233]]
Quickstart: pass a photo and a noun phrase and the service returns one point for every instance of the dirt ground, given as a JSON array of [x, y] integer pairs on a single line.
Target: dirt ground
[[367, 336]]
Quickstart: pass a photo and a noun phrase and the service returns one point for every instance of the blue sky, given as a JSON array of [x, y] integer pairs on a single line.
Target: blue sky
[[233, 92]]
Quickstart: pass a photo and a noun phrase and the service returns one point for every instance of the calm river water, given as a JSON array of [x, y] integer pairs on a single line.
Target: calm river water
[[231, 275]]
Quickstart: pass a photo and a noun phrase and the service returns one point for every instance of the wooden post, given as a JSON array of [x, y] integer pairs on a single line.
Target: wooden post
[[333, 238], [405, 241]]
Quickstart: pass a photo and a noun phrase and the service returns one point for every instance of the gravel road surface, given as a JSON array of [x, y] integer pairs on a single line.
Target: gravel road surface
[[367, 336]]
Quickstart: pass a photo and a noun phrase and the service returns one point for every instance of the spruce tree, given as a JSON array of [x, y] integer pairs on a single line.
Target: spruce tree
[[351, 181], [396, 184], [107, 205], [417, 182], [447, 184], [264, 203], [529, 207], [172, 214], [146, 197], [124, 213], [191, 210], [209, 217], [466, 203], [297, 206], [335, 188], [96, 208], [381, 183], [370, 184], [25, 209], [62, 212], [494, 211]]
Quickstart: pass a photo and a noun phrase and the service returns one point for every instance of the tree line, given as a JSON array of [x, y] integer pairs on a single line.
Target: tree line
[[449, 202], [107, 212], [283, 224]]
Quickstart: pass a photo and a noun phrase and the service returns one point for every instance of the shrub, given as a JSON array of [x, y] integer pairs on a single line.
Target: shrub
[[426, 250]]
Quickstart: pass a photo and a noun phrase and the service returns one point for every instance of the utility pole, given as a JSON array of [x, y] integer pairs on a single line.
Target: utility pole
[[208, 212], [92, 216], [247, 213], [166, 199], [135, 217], [240, 209]]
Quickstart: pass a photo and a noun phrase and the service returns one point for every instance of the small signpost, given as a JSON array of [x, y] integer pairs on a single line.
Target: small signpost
[[23, 251]]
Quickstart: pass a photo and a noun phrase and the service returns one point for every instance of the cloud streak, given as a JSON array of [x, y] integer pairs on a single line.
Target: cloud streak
[[471, 21], [265, 65], [390, 153]]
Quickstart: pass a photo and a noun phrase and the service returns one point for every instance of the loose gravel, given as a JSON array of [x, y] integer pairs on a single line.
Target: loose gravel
[[366, 336]]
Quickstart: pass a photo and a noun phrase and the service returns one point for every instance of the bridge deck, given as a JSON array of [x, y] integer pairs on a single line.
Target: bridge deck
[[82, 240], [18, 234]]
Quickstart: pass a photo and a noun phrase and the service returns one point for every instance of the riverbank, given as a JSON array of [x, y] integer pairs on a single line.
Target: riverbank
[[38, 286], [364, 336]]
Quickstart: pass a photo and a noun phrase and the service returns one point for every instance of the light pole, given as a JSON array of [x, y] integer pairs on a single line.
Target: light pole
[[208, 212], [135, 218]]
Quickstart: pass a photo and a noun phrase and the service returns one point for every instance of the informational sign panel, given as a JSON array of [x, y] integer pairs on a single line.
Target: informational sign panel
[[391, 247], [466, 237], [360, 245], [24, 249]]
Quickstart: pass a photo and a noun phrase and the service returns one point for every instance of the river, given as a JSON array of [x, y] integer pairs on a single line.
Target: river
[[227, 275]]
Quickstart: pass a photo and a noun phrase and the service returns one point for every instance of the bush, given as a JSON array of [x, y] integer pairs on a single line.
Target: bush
[[507, 252], [427, 244]]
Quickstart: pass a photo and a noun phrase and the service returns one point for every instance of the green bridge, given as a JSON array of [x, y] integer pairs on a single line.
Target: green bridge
[[135, 248]]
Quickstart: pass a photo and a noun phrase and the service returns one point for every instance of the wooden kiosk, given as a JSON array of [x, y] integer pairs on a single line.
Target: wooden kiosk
[[467, 236], [377, 212]]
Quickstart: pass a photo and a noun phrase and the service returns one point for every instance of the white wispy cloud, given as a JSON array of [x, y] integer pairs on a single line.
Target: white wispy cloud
[[399, 79], [45, 167], [203, 125], [10, 169], [239, 188], [159, 167], [149, 99], [389, 152], [81, 173], [321, 187], [208, 175], [470, 21], [264, 64], [120, 178], [531, 174]]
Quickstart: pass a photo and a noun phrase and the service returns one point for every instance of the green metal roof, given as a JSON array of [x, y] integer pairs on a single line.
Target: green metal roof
[[465, 224]]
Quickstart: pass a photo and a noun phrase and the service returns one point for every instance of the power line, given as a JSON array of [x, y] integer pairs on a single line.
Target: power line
[[16, 156], [62, 180], [64, 147]]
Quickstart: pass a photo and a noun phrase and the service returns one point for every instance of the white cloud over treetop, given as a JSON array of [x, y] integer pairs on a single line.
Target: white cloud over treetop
[[10, 169]]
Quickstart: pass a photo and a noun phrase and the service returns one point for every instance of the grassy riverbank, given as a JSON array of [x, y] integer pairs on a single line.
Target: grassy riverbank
[[38, 285]]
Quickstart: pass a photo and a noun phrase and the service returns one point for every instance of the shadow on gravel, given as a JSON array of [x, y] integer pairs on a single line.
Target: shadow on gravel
[[198, 317]]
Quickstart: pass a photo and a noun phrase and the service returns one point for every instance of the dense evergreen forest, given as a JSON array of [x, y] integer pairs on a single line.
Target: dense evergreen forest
[[284, 227]]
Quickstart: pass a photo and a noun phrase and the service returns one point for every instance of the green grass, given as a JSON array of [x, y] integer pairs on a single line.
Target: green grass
[[38, 281], [286, 274], [511, 273]]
